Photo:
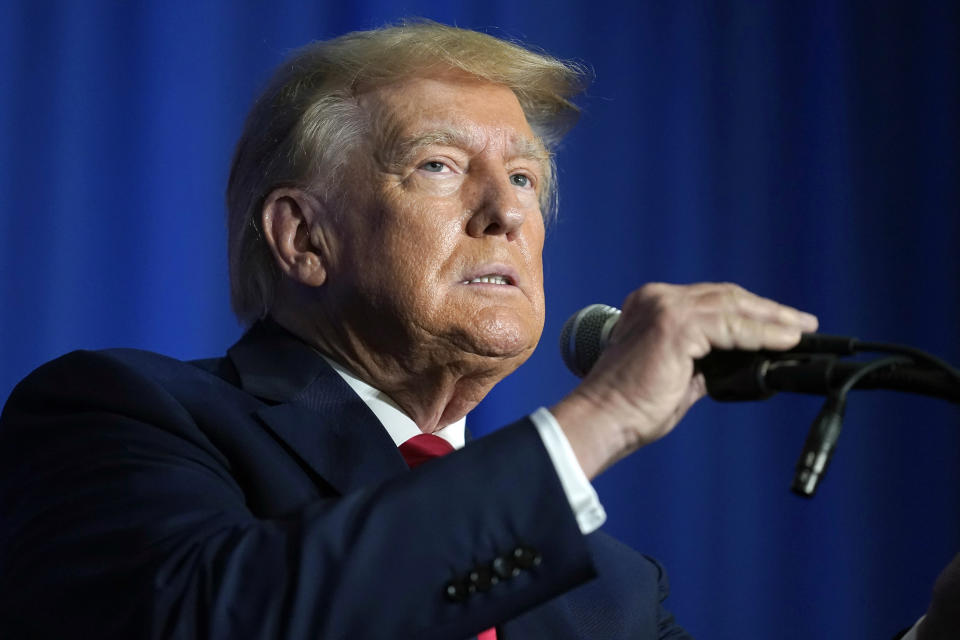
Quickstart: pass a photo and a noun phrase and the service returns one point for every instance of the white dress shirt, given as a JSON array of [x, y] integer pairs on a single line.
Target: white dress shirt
[[580, 493]]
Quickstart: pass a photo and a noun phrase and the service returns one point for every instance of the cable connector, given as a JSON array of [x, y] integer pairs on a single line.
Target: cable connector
[[818, 449]]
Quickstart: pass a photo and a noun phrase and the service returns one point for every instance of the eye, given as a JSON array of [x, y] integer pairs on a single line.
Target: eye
[[520, 180], [433, 166]]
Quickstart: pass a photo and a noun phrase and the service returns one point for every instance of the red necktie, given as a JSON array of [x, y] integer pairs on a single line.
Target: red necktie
[[416, 451], [423, 447]]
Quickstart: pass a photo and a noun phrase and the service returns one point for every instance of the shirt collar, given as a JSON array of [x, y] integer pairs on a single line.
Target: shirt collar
[[398, 424]]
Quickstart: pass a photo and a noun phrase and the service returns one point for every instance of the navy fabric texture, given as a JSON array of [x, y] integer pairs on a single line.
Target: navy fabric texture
[[141, 497]]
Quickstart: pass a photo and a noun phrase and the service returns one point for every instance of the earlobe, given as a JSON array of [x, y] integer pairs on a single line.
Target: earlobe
[[287, 218]]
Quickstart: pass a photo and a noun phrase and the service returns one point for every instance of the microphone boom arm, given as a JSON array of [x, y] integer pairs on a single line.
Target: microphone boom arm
[[734, 376]]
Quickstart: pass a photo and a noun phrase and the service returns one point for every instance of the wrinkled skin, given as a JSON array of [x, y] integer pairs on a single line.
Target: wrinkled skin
[[445, 190]]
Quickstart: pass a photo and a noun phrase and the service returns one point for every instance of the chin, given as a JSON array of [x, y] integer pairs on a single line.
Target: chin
[[505, 335]]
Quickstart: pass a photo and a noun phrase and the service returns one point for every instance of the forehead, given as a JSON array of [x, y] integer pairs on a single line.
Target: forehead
[[478, 112]]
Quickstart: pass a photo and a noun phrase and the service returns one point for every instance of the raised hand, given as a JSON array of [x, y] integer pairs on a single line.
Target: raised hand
[[644, 382]]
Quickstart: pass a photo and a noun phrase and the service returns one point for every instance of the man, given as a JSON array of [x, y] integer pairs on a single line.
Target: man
[[386, 220]]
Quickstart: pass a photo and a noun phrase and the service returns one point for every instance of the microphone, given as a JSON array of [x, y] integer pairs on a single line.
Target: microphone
[[730, 374], [811, 367], [585, 335]]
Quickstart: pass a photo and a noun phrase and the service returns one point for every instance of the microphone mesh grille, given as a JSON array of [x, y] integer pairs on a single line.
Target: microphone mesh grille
[[584, 336]]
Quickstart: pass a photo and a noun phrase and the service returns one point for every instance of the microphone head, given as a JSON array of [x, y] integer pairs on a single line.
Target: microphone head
[[584, 336]]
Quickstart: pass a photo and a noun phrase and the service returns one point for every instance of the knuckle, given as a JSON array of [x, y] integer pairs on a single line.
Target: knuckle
[[731, 291], [734, 327], [650, 295], [652, 290]]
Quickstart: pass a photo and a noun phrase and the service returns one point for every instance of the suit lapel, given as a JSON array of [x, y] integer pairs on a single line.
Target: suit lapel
[[317, 416]]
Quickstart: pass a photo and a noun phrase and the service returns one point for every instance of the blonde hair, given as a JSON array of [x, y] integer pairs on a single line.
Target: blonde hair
[[303, 126]]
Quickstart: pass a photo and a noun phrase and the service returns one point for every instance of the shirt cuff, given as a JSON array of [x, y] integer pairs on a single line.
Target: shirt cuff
[[581, 495]]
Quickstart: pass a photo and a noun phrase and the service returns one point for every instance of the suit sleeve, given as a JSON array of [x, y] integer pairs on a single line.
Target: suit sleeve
[[120, 519], [667, 627]]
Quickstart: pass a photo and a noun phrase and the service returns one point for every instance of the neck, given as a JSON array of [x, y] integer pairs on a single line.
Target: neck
[[434, 386]]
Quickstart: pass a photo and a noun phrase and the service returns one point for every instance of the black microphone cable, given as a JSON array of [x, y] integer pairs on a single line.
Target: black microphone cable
[[821, 442], [917, 355], [825, 430]]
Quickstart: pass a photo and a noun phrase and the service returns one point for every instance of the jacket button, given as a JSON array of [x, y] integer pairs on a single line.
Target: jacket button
[[482, 578], [456, 591], [527, 557], [505, 568]]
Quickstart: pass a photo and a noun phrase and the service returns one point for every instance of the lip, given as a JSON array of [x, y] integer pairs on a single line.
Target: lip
[[493, 269]]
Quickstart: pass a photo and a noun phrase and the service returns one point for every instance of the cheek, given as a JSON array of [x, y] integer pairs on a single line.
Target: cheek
[[538, 301], [417, 244], [533, 253]]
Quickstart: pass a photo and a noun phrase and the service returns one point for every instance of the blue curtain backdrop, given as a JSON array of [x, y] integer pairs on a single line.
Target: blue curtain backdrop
[[807, 150]]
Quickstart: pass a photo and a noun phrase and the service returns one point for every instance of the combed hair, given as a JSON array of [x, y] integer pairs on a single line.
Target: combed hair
[[304, 125]]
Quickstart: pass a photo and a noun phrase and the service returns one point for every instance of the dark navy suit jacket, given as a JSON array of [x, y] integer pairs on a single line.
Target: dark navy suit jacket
[[256, 496]]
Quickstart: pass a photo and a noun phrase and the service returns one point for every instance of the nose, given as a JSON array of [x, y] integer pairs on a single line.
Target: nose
[[495, 208]]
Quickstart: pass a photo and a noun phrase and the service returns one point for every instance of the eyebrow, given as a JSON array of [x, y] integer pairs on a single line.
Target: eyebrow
[[398, 151]]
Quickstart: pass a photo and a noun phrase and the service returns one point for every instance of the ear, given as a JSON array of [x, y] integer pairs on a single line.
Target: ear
[[287, 218]]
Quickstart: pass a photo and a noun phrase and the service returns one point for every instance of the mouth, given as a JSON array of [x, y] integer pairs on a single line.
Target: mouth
[[492, 275], [493, 278]]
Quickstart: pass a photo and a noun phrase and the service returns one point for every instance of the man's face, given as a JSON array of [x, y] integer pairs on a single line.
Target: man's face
[[438, 238]]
